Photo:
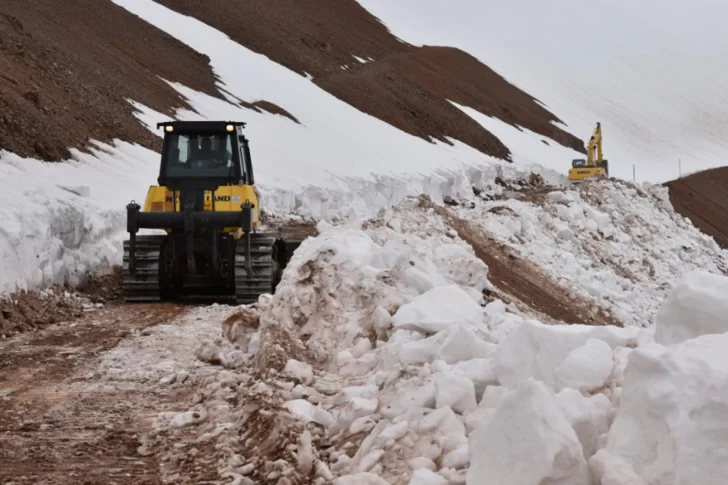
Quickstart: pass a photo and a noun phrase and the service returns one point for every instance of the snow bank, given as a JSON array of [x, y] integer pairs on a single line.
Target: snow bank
[[670, 426], [62, 220], [696, 306], [444, 388]]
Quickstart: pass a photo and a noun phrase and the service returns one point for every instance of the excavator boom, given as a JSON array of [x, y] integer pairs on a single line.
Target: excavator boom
[[595, 165]]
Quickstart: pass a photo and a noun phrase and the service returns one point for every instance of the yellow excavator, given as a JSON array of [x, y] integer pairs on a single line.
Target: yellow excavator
[[208, 208], [595, 164]]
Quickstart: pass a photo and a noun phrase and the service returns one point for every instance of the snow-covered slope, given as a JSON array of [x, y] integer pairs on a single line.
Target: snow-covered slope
[[651, 72]]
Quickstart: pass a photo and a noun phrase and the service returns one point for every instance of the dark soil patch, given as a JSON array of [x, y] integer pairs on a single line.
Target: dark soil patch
[[24, 311], [66, 72], [100, 289], [27, 310], [406, 86], [703, 198]]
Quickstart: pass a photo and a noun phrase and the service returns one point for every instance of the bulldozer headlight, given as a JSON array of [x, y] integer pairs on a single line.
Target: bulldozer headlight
[[169, 129], [230, 128]]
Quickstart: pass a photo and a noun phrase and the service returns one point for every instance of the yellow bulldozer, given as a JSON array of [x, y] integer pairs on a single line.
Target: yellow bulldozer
[[207, 205], [595, 164]]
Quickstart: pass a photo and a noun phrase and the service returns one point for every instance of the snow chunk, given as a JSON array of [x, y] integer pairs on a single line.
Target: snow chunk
[[299, 370], [611, 470], [536, 349], [696, 306], [560, 197], [309, 412], [671, 425], [423, 476], [478, 371], [463, 344], [528, 441], [586, 368], [588, 417], [456, 391], [188, 418], [437, 309]]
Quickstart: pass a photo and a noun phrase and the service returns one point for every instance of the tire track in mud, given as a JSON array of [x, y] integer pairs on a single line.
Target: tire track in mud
[[60, 426]]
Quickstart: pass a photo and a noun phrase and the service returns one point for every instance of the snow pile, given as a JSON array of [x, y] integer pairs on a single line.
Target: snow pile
[[671, 426], [419, 378], [608, 241], [380, 361]]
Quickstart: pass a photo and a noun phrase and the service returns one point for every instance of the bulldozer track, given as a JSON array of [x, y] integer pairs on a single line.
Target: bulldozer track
[[144, 284], [264, 266]]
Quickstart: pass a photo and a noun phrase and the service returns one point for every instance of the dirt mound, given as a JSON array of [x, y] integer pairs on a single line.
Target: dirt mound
[[406, 86], [26, 310], [703, 198], [100, 289]]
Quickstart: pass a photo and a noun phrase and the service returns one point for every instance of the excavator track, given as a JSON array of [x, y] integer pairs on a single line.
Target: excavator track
[[263, 263], [143, 285]]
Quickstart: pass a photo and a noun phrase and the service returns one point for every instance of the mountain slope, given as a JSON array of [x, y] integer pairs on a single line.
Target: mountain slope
[[65, 75], [703, 198], [353, 56], [651, 72]]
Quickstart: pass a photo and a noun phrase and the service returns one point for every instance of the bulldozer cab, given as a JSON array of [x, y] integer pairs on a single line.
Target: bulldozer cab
[[204, 151]]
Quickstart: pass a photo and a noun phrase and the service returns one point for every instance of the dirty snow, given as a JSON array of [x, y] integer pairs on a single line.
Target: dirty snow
[[352, 365]]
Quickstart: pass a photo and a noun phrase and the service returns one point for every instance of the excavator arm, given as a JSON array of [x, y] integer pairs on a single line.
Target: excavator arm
[[595, 144]]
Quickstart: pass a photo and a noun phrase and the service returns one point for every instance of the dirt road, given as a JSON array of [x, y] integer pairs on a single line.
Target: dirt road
[[76, 398]]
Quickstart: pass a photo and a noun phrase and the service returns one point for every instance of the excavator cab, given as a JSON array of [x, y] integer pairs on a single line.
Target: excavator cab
[[594, 165], [208, 207]]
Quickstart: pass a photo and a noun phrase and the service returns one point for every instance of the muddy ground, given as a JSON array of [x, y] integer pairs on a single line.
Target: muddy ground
[[57, 425]]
